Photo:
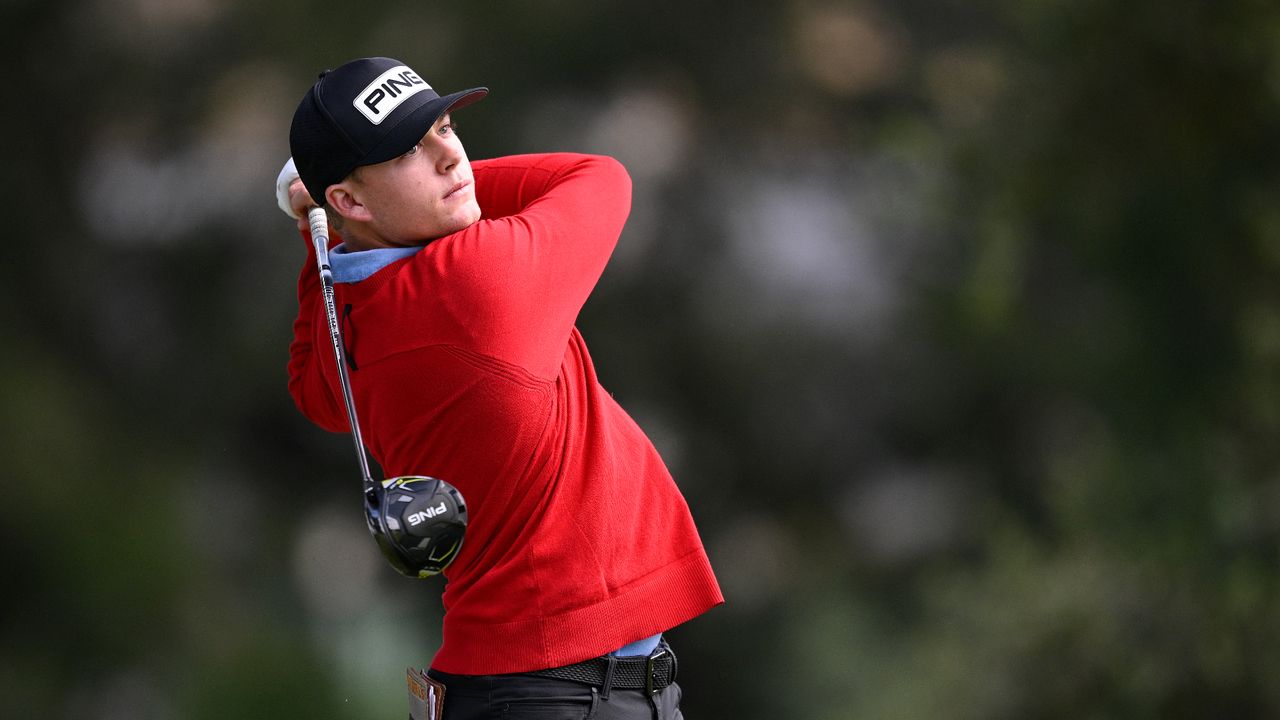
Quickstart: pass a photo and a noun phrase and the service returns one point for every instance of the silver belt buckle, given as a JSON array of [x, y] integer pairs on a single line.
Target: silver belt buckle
[[650, 671]]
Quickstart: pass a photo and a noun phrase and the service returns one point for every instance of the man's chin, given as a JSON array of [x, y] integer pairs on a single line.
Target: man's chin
[[461, 224], [470, 217]]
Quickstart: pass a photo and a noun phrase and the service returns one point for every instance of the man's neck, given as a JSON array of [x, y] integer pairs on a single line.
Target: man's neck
[[358, 237]]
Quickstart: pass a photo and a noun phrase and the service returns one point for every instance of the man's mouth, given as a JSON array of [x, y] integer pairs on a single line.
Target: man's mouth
[[457, 188]]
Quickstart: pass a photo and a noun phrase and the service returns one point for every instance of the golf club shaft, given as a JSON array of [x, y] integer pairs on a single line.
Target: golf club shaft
[[320, 239]]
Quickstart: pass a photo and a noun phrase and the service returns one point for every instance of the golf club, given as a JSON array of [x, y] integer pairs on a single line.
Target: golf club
[[417, 521]]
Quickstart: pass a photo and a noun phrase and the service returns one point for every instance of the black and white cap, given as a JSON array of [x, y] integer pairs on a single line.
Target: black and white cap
[[364, 112]]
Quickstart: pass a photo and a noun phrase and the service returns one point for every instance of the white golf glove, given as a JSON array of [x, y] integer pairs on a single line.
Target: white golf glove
[[288, 174]]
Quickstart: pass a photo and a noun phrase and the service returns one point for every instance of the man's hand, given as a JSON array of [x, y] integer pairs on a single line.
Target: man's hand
[[292, 195], [300, 202]]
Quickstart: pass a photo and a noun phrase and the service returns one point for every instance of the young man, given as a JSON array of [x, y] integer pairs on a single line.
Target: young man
[[458, 286]]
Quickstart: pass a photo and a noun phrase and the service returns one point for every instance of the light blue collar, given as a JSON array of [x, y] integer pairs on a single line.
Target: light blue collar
[[353, 266]]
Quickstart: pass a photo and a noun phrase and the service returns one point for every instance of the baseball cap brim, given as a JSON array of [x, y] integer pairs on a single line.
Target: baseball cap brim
[[410, 130]]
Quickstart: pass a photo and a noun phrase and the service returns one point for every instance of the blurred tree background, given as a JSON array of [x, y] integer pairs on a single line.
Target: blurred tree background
[[958, 324]]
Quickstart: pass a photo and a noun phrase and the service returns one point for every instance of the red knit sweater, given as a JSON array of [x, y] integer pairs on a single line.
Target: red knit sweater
[[469, 368]]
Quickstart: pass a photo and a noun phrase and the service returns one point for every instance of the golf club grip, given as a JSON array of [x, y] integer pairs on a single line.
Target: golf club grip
[[320, 237]]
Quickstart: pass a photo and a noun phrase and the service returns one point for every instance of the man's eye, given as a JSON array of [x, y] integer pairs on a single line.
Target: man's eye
[[411, 151], [449, 128]]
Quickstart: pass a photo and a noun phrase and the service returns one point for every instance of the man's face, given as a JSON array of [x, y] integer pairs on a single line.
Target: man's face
[[426, 193]]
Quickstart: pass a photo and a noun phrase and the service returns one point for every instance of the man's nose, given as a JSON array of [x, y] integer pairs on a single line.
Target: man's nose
[[447, 157]]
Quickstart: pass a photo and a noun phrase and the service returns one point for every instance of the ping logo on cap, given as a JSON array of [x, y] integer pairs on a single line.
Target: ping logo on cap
[[382, 96]]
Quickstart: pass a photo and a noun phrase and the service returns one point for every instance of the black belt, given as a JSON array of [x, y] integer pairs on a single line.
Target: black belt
[[651, 674]]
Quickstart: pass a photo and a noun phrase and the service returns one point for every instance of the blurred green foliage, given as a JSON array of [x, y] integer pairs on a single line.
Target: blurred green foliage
[[958, 324]]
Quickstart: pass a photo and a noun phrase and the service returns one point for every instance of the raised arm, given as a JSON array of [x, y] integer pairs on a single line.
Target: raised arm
[[550, 224], [308, 351], [310, 357]]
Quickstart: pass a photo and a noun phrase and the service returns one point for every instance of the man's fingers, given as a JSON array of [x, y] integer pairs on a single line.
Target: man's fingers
[[300, 200]]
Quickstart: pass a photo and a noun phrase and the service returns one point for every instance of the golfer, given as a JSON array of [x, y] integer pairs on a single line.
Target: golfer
[[458, 286]]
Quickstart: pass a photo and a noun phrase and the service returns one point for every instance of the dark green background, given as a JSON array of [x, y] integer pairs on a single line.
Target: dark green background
[[958, 324]]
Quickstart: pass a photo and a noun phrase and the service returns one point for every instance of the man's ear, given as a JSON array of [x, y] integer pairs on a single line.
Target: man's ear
[[343, 198]]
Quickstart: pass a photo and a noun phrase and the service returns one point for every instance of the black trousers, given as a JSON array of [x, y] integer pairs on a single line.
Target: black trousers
[[529, 697]]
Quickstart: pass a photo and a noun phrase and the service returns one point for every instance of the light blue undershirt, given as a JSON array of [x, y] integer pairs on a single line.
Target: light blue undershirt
[[641, 648], [353, 266]]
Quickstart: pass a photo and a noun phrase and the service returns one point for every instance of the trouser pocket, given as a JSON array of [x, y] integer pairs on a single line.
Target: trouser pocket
[[547, 709]]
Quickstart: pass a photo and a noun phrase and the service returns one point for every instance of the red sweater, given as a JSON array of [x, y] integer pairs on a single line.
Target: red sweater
[[469, 368]]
